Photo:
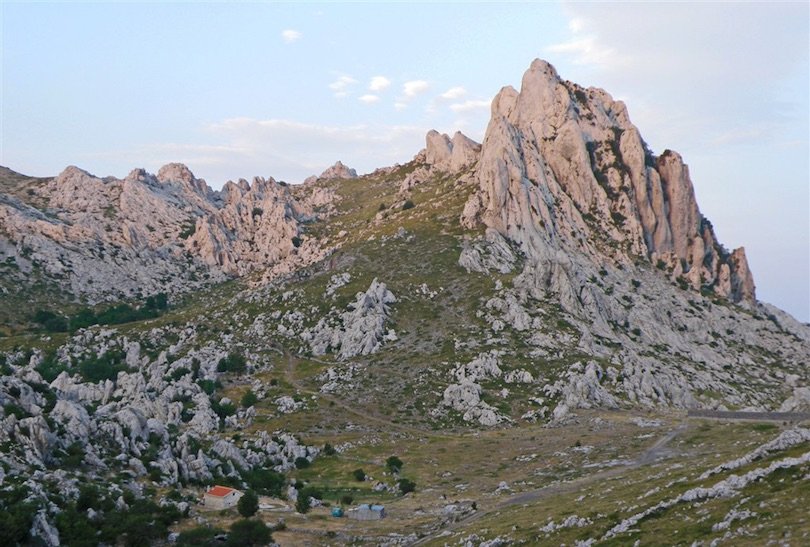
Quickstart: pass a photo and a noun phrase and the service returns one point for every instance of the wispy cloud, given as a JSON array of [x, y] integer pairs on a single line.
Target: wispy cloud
[[369, 99], [340, 87], [414, 87], [454, 93], [289, 35], [468, 106], [379, 83], [586, 50], [293, 150]]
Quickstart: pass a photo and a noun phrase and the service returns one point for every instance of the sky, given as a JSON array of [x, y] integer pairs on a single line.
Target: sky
[[236, 90]]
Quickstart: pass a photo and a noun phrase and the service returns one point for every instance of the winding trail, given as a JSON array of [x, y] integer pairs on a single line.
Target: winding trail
[[649, 456], [365, 414]]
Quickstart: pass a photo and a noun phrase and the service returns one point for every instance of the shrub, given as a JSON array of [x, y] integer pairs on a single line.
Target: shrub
[[248, 504], [329, 450], [103, 367], [208, 386], [393, 464], [301, 462], [234, 362], [50, 321], [257, 211], [359, 475], [249, 399], [346, 499], [406, 485], [249, 532], [408, 205], [200, 536], [265, 481], [302, 502], [223, 410], [297, 241]]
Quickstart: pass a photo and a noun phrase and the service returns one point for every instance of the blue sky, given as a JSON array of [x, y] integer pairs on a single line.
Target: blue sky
[[284, 90]]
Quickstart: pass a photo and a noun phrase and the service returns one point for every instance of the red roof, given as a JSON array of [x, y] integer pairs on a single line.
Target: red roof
[[219, 491]]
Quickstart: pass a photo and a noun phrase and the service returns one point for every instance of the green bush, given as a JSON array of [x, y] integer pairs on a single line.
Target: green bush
[[406, 485], [394, 464], [265, 481], [249, 533], [234, 362], [301, 462], [199, 537], [50, 321], [249, 399], [248, 504], [329, 450], [359, 475], [408, 205], [103, 367]]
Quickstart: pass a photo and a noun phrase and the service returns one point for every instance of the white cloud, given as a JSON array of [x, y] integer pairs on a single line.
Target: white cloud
[[369, 99], [291, 150], [289, 35], [379, 83], [415, 87], [341, 85], [468, 106], [454, 93], [400, 106], [587, 50]]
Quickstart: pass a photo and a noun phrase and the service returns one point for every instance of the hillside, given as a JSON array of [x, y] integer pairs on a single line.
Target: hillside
[[521, 321]]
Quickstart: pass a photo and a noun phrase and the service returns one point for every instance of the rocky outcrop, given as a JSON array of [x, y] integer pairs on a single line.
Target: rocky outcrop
[[111, 238], [360, 330], [564, 172], [450, 155], [337, 171]]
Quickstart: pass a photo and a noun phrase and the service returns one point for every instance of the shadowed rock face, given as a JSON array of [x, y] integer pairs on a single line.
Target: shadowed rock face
[[562, 168]]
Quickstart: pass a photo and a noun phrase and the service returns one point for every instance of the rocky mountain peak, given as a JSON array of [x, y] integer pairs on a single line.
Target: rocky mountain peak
[[448, 154], [339, 171], [175, 172], [563, 169]]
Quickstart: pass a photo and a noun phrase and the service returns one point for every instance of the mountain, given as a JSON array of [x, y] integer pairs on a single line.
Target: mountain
[[517, 320]]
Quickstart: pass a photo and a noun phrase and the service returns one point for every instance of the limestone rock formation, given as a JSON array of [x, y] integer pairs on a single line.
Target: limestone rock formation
[[337, 171], [111, 238], [564, 172], [450, 155]]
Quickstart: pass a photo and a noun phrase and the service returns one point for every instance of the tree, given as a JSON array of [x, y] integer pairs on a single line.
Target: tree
[[359, 475], [394, 464], [249, 533], [248, 504], [302, 502]]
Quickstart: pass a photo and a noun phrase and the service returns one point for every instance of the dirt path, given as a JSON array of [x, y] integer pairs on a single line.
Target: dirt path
[[364, 415], [649, 456]]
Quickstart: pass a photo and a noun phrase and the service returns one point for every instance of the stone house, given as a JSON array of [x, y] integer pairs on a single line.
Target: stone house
[[221, 497]]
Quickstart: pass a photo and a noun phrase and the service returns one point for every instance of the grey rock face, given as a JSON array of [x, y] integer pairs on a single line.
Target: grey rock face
[[450, 155], [360, 330], [563, 168], [146, 234]]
